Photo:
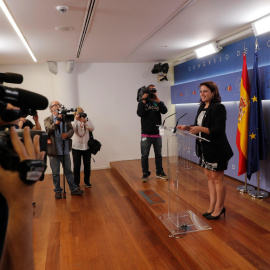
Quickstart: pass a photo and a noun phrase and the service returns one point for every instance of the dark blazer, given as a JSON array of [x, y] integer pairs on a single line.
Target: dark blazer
[[218, 149]]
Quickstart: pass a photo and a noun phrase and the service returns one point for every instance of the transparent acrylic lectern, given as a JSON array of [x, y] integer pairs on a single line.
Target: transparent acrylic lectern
[[178, 220]]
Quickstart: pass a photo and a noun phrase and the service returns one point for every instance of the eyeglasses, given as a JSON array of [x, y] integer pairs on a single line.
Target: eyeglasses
[[56, 104]]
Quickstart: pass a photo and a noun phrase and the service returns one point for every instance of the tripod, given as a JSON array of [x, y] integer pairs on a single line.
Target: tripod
[[63, 155]]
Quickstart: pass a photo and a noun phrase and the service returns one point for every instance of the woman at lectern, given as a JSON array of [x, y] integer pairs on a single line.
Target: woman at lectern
[[210, 123]]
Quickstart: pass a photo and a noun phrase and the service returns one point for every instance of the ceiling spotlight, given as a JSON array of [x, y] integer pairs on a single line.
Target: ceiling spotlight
[[207, 50], [261, 26], [62, 9]]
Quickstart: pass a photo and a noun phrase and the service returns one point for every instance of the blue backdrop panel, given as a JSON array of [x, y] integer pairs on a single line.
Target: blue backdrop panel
[[228, 60], [225, 68], [228, 84]]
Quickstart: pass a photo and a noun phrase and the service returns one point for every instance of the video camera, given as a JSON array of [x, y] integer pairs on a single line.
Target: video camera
[[28, 102], [9, 159], [144, 90], [65, 116]]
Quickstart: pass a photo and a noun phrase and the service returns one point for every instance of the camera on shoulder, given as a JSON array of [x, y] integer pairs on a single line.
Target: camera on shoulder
[[66, 117], [144, 90]]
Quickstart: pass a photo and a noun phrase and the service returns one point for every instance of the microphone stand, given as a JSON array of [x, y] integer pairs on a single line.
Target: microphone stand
[[177, 122], [167, 117]]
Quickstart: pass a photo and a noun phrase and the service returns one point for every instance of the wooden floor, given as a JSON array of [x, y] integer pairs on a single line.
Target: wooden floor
[[112, 226]]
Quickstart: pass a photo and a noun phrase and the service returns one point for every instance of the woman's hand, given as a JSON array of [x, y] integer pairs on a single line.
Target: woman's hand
[[195, 129], [181, 127]]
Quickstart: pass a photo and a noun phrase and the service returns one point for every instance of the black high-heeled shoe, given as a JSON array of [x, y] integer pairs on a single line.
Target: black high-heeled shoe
[[207, 214], [216, 217]]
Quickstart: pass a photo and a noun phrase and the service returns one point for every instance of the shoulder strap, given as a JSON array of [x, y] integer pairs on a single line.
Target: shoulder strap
[[91, 135]]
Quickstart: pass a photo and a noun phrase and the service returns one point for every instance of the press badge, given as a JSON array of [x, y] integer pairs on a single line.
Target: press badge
[[161, 131]]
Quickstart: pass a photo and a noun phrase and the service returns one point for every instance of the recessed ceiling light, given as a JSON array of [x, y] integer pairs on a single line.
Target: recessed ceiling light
[[62, 9], [63, 28]]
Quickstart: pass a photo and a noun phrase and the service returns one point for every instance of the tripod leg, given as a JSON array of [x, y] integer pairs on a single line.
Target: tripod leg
[[64, 182]]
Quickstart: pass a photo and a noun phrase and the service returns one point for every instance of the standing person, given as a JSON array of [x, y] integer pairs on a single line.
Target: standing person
[[57, 133], [23, 122], [210, 123], [150, 109], [81, 125]]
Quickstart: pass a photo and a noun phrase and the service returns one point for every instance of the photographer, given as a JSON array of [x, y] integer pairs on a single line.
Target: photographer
[[16, 243], [150, 109], [81, 125], [23, 122], [60, 132]]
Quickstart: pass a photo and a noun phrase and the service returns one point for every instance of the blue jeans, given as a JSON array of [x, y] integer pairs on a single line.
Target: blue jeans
[[146, 143], [55, 166]]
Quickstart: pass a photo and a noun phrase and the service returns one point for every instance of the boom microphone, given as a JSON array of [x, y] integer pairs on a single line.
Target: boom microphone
[[23, 98], [11, 78]]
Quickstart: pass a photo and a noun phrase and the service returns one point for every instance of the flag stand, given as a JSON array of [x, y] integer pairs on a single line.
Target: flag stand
[[259, 194], [245, 188]]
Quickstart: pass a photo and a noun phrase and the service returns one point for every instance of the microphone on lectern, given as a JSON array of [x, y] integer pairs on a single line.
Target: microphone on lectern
[[177, 122], [166, 118]]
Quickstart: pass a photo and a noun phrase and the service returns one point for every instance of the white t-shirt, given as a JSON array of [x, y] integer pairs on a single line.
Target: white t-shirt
[[81, 134]]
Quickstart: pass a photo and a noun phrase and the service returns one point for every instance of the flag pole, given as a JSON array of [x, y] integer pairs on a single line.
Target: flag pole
[[258, 194], [257, 151], [245, 188], [243, 123]]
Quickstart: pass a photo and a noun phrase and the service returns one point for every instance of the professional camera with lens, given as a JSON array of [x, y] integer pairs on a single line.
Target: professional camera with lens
[[26, 112], [144, 90], [9, 159], [28, 102], [82, 115], [65, 116]]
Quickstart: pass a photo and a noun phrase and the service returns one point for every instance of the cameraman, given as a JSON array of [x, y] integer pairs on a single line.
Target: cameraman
[[16, 197], [81, 125], [23, 122], [59, 133], [150, 109]]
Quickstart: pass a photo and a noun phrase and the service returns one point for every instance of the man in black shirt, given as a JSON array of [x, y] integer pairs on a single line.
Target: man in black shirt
[[150, 109]]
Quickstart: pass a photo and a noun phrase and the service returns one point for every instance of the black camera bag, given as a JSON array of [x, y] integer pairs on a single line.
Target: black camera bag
[[94, 145]]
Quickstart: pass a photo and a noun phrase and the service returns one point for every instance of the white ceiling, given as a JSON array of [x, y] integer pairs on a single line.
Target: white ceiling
[[122, 30]]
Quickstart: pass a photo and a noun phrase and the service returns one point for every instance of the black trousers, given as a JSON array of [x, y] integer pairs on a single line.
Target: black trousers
[[77, 157]]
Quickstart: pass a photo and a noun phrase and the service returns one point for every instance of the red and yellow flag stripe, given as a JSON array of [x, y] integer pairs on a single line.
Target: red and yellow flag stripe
[[243, 119]]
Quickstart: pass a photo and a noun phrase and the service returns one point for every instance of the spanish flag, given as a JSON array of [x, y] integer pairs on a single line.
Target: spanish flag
[[243, 119]]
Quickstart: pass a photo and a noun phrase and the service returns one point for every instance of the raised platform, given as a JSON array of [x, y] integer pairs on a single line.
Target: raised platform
[[223, 247]]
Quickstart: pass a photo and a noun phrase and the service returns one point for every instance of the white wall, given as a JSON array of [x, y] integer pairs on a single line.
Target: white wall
[[107, 93]]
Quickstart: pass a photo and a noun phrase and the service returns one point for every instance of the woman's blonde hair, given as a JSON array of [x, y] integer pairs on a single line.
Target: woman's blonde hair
[[78, 110]]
